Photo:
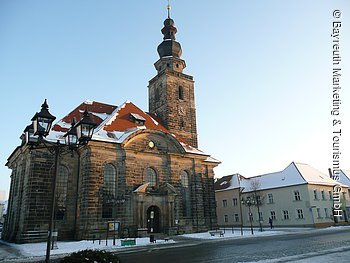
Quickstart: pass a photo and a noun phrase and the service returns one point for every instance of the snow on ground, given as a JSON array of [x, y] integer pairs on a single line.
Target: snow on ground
[[266, 232], [236, 234], [39, 249]]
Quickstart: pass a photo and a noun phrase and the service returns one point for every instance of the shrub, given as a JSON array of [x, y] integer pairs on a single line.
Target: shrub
[[89, 255]]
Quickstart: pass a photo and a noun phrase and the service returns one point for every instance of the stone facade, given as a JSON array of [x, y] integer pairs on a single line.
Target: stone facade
[[32, 177], [141, 170], [171, 98]]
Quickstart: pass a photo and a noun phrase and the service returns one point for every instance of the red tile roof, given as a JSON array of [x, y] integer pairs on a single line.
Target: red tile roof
[[94, 108], [123, 120], [111, 118]]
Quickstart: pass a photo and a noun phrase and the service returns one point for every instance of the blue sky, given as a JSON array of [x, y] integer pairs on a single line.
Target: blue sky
[[262, 70]]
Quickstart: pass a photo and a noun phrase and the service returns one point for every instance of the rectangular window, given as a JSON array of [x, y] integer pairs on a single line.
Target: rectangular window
[[273, 215], [318, 212], [234, 201], [330, 195], [270, 196], [300, 213], [224, 203], [285, 214], [296, 195], [326, 212], [236, 218], [322, 195], [315, 195], [260, 216], [225, 218]]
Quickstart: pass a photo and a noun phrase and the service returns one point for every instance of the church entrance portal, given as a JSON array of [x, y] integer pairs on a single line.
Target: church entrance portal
[[153, 219]]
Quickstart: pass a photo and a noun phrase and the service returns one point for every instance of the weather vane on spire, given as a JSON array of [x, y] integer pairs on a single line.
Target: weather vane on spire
[[168, 7]]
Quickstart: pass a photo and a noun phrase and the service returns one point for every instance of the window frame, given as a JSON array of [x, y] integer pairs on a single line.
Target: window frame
[[300, 214], [151, 179], [297, 196]]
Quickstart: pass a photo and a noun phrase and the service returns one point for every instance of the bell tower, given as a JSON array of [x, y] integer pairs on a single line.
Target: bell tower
[[171, 92]]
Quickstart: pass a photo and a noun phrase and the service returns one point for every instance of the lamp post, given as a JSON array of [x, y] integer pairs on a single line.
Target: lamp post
[[77, 136], [249, 202]]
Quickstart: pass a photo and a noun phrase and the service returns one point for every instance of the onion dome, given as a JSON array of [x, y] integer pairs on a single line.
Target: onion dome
[[169, 47]]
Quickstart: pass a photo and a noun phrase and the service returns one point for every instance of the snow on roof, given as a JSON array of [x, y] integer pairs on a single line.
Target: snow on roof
[[98, 112], [212, 160], [344, 177], [115, 125], [228, 182], [313, 176], [138, 117], [293, 174]]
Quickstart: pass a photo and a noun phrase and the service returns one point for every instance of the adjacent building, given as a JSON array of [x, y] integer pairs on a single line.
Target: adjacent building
[[141, 169], [298, 196]]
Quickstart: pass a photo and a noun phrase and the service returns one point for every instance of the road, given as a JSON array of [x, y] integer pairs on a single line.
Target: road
[[296, 247]]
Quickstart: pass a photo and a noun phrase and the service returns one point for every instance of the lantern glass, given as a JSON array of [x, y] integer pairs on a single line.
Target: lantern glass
[[71, 139], [85, 128], [42, 121]]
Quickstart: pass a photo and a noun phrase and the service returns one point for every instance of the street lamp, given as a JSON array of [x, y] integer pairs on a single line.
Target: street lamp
[[71, 138], [78, 135], [42, 121], [249, 202], [85, 128]]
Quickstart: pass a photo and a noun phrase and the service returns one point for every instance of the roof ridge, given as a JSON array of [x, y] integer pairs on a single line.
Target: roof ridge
[[102, 124], [296, 167]]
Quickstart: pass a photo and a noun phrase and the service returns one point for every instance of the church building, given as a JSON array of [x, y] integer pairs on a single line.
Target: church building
[[141, 169]]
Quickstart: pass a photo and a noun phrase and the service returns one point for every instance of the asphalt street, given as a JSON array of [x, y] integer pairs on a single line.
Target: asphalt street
[[287, 248]]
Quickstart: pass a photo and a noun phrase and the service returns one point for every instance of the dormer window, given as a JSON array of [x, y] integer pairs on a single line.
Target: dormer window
[[138, 119]]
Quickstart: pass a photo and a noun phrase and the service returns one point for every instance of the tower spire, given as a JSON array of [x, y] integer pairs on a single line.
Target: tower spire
[[168, 8], [169, 47]]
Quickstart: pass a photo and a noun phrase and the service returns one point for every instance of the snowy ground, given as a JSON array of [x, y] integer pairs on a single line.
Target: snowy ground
[[228, 234], [236, 234], [39, 249]]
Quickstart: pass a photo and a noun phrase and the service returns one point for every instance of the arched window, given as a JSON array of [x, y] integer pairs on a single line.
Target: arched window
[[184, 179], [157, 92], [61, 192], [185, 194], [181, 93], [109, 179], [109, 190], [151, 177]]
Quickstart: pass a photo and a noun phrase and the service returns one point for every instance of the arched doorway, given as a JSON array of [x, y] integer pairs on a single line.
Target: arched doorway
[[153, 219]]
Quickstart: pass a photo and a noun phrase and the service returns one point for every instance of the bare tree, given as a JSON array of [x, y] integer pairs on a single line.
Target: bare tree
[[255, 185]]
